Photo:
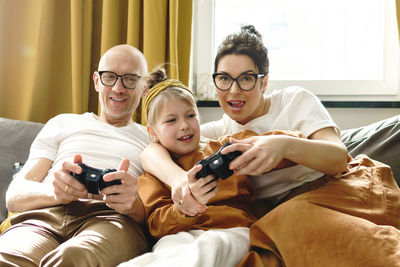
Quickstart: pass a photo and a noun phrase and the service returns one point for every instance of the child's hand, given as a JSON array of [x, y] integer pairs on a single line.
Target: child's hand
[[202, 189], [183, 198]]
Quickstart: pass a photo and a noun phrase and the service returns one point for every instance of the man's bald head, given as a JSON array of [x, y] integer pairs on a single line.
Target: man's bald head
[[126, 52]]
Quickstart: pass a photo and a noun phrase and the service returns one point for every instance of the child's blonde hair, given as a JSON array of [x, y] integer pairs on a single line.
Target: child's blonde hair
[[158, 102]]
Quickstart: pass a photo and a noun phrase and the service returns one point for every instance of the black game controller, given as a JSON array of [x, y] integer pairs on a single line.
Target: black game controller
[[92, 178], [218, 164]]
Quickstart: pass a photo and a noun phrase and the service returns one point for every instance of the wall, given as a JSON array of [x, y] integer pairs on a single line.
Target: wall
[[345, 117], [355, 117]]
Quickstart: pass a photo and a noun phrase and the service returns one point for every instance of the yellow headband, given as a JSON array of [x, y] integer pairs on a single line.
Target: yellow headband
[[154, 91]]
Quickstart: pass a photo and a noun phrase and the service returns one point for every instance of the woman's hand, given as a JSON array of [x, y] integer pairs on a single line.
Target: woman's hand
[[260, 154], [322, 151]]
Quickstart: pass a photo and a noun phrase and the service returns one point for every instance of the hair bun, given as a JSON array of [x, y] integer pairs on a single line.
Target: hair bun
[[251, 29], [157, 76]]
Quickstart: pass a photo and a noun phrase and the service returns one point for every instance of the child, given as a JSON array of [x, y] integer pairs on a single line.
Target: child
[[220, 235]]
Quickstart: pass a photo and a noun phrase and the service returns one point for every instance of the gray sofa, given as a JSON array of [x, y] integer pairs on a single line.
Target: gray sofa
[[15, 139], [380, 140]]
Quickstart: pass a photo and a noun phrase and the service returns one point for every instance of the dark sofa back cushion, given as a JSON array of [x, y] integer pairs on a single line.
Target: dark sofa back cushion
[[380, 141], [15, 140]]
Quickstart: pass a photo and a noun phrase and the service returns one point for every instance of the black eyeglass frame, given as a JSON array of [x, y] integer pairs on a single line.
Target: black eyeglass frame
[[255, 75], [118, 76]]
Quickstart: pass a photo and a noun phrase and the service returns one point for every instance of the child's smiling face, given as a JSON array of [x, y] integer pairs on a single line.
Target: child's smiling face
[[177, 128]]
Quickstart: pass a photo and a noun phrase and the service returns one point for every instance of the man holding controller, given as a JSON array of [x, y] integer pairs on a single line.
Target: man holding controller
[[59, 222]]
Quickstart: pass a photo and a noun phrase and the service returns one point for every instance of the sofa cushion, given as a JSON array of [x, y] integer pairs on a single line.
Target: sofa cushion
[[380, 141], [15, 140]]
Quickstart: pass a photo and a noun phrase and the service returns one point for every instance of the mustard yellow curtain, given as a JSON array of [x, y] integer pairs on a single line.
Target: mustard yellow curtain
[[398, 16], [50, 48]]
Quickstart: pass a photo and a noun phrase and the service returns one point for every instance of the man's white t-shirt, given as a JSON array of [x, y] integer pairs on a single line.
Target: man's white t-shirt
[[100, 144], [292, 108]]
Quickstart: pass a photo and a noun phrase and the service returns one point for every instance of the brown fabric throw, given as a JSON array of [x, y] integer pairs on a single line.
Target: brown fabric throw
[[349, 220], [229, 208]]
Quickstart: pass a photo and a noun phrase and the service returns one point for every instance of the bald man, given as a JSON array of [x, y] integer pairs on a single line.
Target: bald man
[[60, 223]]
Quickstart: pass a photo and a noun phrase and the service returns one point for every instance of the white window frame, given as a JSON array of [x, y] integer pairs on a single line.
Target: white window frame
[[387, 89]]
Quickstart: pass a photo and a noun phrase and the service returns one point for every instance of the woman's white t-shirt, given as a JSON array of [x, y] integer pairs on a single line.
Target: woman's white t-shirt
[[292, 108]]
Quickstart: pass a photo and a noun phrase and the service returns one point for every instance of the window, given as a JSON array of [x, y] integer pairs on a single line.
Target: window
[[337, 49]]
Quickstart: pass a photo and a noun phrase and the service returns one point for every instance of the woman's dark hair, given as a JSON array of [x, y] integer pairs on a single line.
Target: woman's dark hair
[[247, 42]]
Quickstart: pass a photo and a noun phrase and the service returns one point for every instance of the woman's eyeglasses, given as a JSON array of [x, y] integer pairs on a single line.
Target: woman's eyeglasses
[[246, 81]]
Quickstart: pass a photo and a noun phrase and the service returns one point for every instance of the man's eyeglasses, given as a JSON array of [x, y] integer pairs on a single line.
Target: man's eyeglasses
[[245, 81], [109, 78]]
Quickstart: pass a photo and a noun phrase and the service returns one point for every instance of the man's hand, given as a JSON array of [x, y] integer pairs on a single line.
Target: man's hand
[[183, 198], [123, 198], [66, 188]]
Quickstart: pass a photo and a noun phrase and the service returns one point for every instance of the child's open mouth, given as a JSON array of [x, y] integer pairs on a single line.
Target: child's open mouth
[[186, 138]]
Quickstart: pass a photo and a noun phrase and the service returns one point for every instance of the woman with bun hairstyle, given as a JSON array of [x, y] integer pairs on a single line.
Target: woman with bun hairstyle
[[326, 210]]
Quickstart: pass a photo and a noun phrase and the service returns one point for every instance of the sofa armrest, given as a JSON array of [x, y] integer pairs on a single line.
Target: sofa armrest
[[15, 141], [380, 141]]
